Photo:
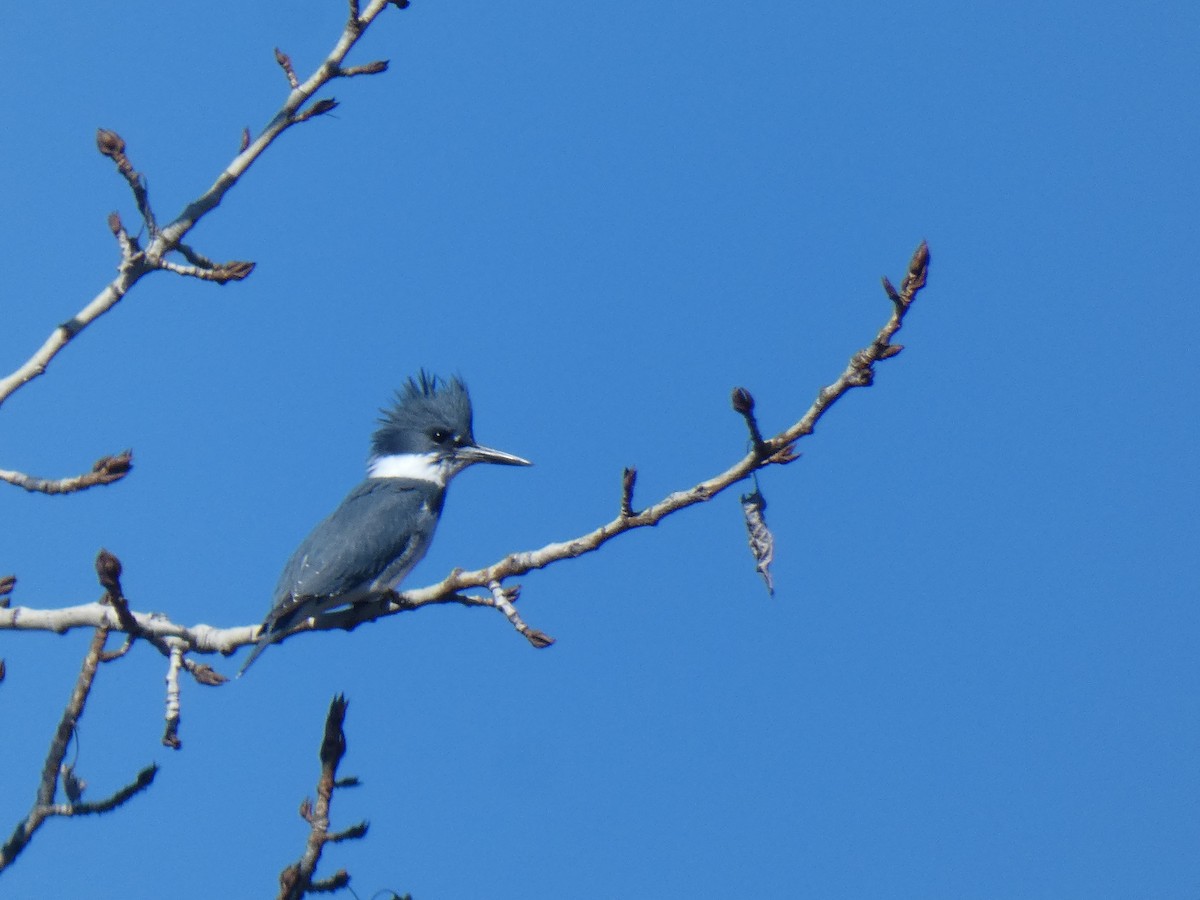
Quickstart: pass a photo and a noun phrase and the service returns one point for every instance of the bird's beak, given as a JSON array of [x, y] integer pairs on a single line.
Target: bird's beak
[[474, 453]]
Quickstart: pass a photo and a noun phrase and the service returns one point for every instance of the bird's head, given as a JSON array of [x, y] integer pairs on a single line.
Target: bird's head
[[426, 433]]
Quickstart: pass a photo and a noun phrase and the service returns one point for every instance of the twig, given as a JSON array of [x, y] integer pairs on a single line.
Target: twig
[[743, 403], [105, 470], [170, 736], [221, 273], [371, 68], [628, 480], [108, 570], [297, 879], [503, 599], [112, 145]]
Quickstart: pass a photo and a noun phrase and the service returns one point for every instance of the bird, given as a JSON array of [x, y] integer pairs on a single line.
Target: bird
[[382, 529]]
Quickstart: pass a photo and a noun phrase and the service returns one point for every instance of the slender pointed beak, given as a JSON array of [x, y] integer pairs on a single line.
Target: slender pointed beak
[[474, 453]]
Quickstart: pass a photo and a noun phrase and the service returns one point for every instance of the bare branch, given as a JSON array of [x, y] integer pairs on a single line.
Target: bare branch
[[44, 806], [503, 599], [136, 263], [284, 119], [297, 879], [776, 450], [154, 627], [105, 470], [221, 273], [141, 781]]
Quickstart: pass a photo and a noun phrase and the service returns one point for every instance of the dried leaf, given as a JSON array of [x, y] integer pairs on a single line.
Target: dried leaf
[[762, 542]]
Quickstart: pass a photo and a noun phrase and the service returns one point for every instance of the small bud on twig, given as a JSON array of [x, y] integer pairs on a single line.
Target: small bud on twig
[[109, 143], [918, 270], [333, 747], [319, 108], [539, 639], [371, 68], [890, 290], [234, 270], [628, 480], [743, 403], [108, 570], [206, 675], [113, 468], [285, 63], [245, 140]]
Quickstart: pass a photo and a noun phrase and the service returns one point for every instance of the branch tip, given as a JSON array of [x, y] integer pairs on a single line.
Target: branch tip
[[285, 63], [108, 570], [628, 480], [110, 144], [113, 468], [335, 882], [743, 404], [206, 675], [539, 639], [918, 271], [353, 833], [333, 746], [235, 270], [371, 68], [320, 108]]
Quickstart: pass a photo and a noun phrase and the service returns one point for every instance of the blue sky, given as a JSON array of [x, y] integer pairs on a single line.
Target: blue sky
[[978, 677]]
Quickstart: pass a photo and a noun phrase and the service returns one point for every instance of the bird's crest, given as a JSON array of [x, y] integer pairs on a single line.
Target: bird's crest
[[422, 400]]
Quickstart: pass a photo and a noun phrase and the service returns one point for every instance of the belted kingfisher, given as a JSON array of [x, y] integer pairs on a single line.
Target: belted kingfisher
[[384, 526]]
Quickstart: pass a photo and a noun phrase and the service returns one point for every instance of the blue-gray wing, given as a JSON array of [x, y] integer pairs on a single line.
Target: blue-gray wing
[[379, 532]]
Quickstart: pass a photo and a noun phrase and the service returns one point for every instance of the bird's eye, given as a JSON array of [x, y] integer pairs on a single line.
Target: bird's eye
[[439, 435]]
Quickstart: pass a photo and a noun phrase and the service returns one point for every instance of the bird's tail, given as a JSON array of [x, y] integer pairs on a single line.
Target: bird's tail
[[268, 634]]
